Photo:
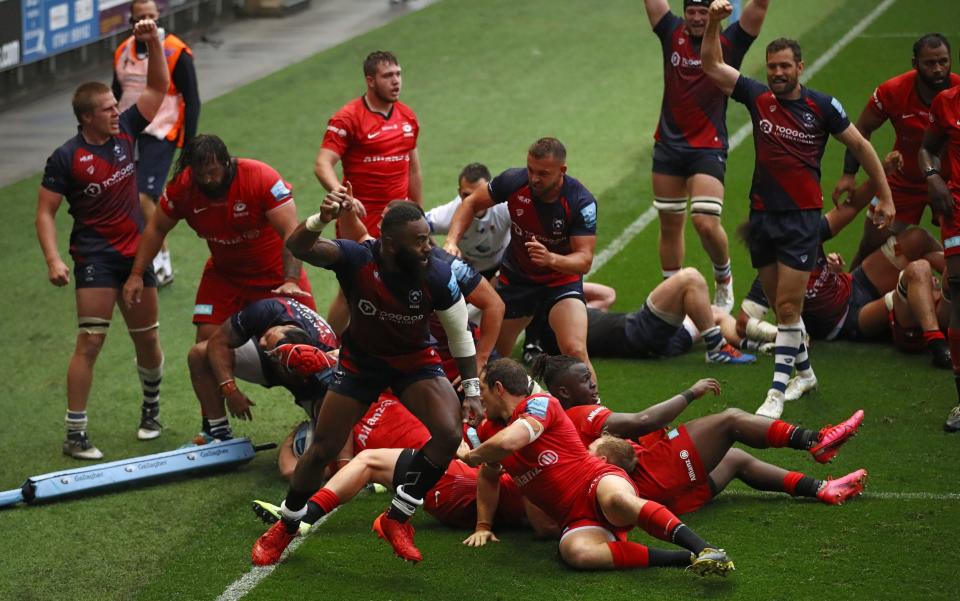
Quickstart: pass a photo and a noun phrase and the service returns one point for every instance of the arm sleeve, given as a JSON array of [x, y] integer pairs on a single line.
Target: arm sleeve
[[275, 191], [440, 217], [352, 255], [589, 419], [584, 222], [56, 174], [444, 288], [337, 136], [132, 121], [738, 43], [835, 117], [255, 319], [746, 90], [467, 278], [170, 197], [666, 26], [505, 184], [116, 87], [185, 79]]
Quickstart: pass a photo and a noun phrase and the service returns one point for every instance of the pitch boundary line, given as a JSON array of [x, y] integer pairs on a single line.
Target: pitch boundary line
[[881, 495], [645, 218]]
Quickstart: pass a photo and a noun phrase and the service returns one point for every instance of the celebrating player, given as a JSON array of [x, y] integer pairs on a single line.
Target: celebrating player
[[904, 100], [595, 502], [244, 210], [686, 466], [392, 285], [689, 157], [554, 221], [95, 172], [175, 123], [791, 124]]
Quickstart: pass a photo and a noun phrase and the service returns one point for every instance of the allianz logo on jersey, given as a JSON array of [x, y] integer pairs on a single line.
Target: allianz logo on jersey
[[677, 61], [370, 310], [779, 131], [95, 189]]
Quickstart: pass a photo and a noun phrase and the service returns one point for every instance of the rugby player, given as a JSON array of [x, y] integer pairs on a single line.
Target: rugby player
[[554, 223], [244, 210], [791, 124], [392, 285], [686, 466], [95, 171], [175, 123], [905, 101], [594, 501], [690, 153], [942, 138]]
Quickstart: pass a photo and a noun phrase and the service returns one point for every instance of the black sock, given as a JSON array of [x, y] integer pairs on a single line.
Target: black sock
[[662, 558], [807, 487], [314, 513], [956, 382], [688, 539], [802, 438], [420, 478]]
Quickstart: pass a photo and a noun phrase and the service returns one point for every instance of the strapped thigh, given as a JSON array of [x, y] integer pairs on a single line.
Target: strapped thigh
[[706, 205], [94, 326], [670, 205]]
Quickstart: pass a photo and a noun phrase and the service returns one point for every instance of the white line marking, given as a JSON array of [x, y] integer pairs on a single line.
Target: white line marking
[[645, 218], [246, 583], [884, 495]]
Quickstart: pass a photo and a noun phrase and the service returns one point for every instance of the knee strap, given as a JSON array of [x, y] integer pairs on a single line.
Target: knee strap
[[94, 326], [144, 329], [891, 250], [706, 205], [670, 205]]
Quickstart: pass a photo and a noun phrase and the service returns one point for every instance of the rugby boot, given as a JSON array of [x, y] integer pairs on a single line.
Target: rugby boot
[[836, 492], [399, 535], [772, 407], [723, 296], [832, 437], [711, 562], [78, 446], [270, 514], [270, 546], [729, 354], [799, 386], [953, 420]]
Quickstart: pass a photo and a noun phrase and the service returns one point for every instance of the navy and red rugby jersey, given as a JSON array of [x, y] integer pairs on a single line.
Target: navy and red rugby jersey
[[100, 186], [574, 213], [693, 112], [389, 311], [790, 137], [258, 317]]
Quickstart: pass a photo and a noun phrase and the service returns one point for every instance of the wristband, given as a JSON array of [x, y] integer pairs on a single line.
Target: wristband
[[228, 387], [483, 526], [314, 223], [471, 387], [931, 171], [688, 395]]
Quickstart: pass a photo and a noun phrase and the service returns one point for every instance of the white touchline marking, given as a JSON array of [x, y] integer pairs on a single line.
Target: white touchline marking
[[246, 583], [641, 222], [884, 495]]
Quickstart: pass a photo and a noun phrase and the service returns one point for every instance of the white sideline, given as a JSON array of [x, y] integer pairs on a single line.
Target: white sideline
[[882, 495], [641, 222], [246, 583]]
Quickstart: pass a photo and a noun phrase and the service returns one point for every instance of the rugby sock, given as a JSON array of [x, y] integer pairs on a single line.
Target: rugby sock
[[660, 522], [291, 517], [933, 335], [320, 504], [713, 338], [669, 272], [76, 422], [797, 484], [219, 428], [722, 273], [803, 362], [781, 434], [627, 554], [953, 337], [420, 478], [750, 345], [150, 379], [789, 340]]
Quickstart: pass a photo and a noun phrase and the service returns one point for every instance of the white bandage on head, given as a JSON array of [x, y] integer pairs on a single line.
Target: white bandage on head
[[670, 205], [891, 250], [94, 326], [706, 205], [761, 331], [533, 433], [753, 309], [459, 338]]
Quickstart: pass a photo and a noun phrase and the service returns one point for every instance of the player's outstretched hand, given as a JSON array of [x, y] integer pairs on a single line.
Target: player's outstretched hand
[[472, 411], [539, 255], [132, 290], [846, 186], [238, 404], [292, 290], [720, 10], [146, 30], [892, 162], [704, 386], [452, 248], [58, 272], [480, 538]]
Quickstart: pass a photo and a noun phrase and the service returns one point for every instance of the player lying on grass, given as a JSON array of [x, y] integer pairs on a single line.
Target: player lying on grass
[[686, 466], [595, 502]]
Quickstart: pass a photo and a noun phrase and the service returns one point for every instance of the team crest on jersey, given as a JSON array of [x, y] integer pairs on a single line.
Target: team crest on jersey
[[765, 126], [548, 457], [366, 307], [239, 207], [558, 226], [407, 128], [415, 296], [91, 169], [92, 190]]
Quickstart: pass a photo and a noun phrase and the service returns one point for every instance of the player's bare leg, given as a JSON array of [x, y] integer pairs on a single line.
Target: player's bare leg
[[670, 199], [142, 324], [706, 206], [509, 331], [953, 336], [568, 320], [216, 424], [205, 331], [94, 311]]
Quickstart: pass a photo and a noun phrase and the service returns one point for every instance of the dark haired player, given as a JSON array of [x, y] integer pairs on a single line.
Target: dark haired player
[[243, 347], [791, 124], [392, 286], [244, 210], [905, 101], [689, 157], [95, 171], [554, 223]]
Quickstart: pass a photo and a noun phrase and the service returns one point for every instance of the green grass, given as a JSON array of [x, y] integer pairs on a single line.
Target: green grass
[[486, 78]]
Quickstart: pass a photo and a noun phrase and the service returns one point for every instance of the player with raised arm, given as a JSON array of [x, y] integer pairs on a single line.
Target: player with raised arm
[[392, 285], [554, 222], [942, 139], [791, 125], [686, 466], [904, 101], [96, 173], [690, 153], [244, 210]]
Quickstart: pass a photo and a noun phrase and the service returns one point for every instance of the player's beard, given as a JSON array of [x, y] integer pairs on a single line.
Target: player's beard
[[410, 263], [219, 190], [938, 86], [546, 193]]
